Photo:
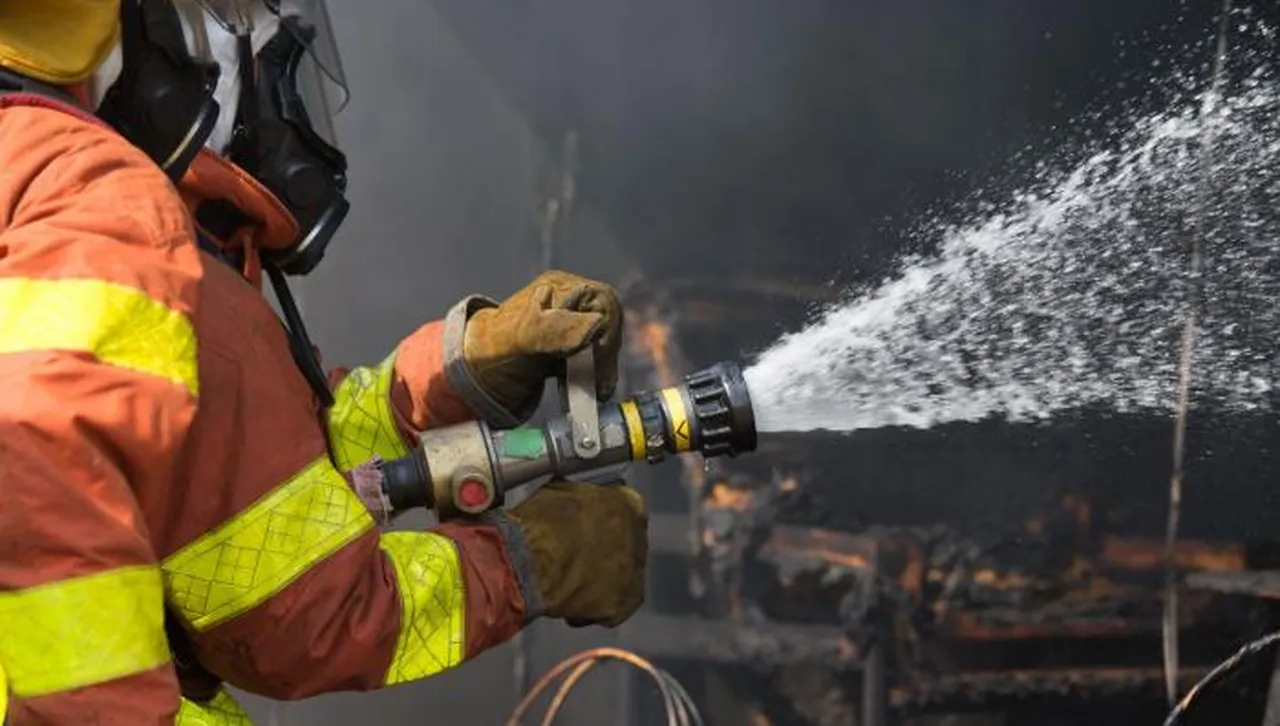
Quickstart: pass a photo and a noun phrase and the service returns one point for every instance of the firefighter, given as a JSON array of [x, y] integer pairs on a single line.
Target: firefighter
[[182, 487]]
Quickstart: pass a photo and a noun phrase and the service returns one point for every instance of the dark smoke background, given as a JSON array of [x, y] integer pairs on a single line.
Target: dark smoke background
[[793, 140]]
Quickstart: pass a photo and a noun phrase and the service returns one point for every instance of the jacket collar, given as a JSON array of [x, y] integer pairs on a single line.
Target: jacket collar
[[238, 213]]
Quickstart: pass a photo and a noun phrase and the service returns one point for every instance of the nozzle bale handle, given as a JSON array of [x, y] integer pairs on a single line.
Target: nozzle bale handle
[[578, 402], [466, 469]]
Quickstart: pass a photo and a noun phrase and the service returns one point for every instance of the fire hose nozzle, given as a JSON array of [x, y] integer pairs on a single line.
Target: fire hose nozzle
[[467, 468], [709, 412]]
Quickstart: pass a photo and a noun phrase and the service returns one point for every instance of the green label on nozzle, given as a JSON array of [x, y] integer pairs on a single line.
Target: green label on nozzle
[[523, 443]]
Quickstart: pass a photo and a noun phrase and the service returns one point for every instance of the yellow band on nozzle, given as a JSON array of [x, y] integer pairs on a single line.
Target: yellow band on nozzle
[[681, 431], [635, 428]]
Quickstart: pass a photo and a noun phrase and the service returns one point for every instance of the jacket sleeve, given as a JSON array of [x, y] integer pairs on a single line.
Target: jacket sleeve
[[423, 384], [300, 593], [98, 386], [379, 410], [328, 602]]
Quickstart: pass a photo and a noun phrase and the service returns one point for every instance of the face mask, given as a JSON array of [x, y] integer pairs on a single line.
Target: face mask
[[285, 85], [257, 81], [283, 139], [160, 94]]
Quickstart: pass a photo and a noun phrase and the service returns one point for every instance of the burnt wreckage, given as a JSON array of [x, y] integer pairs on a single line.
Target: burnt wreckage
[[788, 611]]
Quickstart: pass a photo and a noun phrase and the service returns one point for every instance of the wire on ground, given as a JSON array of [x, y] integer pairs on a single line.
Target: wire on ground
[[679, 707]]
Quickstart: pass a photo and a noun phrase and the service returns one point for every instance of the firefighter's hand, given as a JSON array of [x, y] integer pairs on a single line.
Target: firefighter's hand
[[513, 348], [588, 545]]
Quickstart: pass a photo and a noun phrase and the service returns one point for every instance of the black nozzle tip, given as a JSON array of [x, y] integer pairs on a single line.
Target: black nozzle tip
[[742, 415], [725, 421]]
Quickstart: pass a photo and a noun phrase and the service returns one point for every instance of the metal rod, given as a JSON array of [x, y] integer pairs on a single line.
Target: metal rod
[[553, 235], [1185, 355], [873, 687]]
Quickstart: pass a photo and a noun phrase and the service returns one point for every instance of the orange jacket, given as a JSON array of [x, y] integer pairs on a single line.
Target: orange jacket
[[159, 449]]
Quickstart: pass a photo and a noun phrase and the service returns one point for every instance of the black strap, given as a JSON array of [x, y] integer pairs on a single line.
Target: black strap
[[304, 354], [208, 246], [221, 218], [131, 38], [197, 683]]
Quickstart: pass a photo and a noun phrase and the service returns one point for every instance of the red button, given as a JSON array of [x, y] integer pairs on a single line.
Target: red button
[[473, 495]]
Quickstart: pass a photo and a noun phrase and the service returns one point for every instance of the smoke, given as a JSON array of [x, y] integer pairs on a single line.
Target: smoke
[[801, 135], [758, 137]]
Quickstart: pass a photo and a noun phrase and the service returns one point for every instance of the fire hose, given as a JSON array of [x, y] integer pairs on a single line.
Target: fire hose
[[466, 469]]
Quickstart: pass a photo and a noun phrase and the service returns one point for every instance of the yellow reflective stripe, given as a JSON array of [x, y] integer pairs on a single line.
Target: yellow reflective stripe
[[221, 711], [361, 423], [432, 612], [678, 423], [257, 553], [119, 325], [635, 429], [83, 630], [4, 695]]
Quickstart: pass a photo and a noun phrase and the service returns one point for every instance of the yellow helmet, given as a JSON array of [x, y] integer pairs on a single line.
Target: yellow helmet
[[57, 41]]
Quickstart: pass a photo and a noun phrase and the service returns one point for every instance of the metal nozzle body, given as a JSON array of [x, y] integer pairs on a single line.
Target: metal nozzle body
[[466, 469], [709, 412]]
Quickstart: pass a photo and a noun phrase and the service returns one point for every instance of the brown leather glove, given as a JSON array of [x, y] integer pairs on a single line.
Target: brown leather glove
[[586, 548], [510, 350]]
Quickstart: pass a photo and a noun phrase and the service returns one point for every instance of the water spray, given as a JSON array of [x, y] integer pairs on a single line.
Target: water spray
[[466, 469]]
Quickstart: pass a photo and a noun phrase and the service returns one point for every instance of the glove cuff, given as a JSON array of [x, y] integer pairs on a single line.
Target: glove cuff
[[521, 558], [459, 376]]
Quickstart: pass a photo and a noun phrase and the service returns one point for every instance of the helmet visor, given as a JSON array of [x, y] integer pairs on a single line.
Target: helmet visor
[[321, 81], [312, 18]]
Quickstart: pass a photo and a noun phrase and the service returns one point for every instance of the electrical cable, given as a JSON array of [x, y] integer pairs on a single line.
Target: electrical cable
[[584, 661], [1219, 672], [679, 706], [685, 699], [557, 701]]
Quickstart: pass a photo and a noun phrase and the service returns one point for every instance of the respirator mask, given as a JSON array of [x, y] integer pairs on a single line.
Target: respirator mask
[[258, 81], [289, 89]]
